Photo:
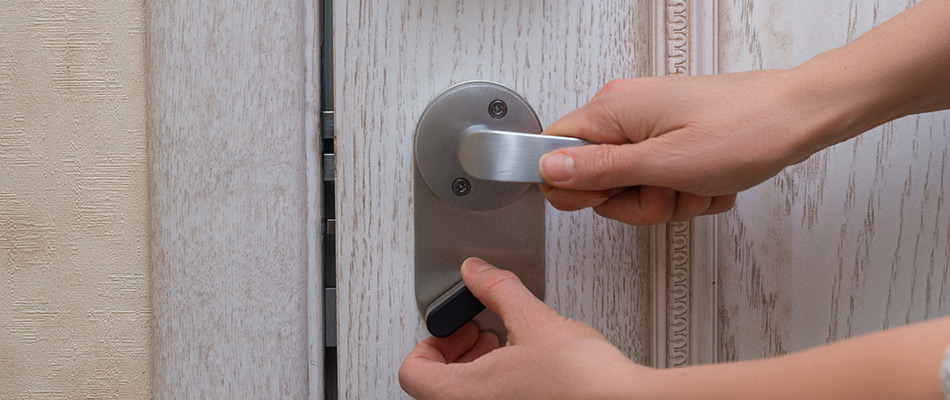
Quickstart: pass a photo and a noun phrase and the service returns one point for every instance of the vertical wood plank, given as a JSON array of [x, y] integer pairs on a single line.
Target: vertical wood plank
[[232, 94], [391, 59], [312, 16], [851, 241], [598, 269]]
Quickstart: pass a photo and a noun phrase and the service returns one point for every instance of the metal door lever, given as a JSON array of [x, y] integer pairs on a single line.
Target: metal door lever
[[479, 144], [503, 156]]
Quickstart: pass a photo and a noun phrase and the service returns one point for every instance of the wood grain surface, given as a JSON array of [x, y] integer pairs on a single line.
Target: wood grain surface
[[853, 240], [391, 59], [232, 99]]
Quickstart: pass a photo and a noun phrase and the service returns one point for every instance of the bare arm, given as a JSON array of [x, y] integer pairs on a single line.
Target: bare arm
[[672, 148], [899, 68], [551, 357], [900, 363]]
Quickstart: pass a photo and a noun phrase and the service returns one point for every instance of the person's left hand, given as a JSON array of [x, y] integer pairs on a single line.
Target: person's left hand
[[547, 356]]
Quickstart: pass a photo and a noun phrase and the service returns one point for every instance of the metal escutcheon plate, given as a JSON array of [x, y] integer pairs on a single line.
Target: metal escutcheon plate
[[502, 223]]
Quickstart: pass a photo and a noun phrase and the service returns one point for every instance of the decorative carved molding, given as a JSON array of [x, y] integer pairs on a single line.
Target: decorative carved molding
[[678, 268], [684, 270], [677, 37], [678, 277]]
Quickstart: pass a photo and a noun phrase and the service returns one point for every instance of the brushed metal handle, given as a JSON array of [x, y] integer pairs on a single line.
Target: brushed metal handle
[[503, 156]]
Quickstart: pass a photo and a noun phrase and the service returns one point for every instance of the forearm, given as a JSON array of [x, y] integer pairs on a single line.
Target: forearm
[[899, 68], [902, 67], [898, 363]]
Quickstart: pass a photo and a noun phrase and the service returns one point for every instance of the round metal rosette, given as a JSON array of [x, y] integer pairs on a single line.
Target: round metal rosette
[[448, 119]]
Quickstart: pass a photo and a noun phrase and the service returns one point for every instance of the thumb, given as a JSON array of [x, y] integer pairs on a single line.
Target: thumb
[[604, 166], [503, 293]]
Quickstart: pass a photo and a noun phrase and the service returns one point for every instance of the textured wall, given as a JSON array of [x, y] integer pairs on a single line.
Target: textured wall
[[74, 283]]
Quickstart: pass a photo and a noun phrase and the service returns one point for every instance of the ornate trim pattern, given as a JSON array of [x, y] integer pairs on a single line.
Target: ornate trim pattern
[[677, 319], [678, 270], [684, 271], [677, 37]]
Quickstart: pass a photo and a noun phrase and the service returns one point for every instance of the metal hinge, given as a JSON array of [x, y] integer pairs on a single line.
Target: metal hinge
[[329, 159], [329, 167], [326, 122]]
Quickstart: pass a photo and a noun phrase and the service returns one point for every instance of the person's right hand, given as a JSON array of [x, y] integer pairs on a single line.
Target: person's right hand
[[672, 148], [547, 356]]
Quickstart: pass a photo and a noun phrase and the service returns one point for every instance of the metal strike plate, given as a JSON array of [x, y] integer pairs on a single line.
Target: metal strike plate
[[458, 214]]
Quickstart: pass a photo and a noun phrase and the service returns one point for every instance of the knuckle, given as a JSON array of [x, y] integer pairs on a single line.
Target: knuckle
[[404, 379], [613, 86], [561, 206], [684, 216], [690, 205], [434, 388], [610, 214], [661, 215], [500, 279], [653, 219], [563, 203], [600, 165], [581, 330]]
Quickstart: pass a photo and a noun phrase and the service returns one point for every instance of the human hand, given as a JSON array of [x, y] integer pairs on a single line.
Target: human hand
[[547, 356], [673, 148], [551, 357]]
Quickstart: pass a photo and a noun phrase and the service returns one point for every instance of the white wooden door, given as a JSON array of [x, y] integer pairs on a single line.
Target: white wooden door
[[392, 59], [855, 239], [851, 241], [234, 193]]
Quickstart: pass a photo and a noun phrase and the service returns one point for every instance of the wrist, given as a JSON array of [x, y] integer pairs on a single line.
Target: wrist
[[734, 381], [840, 95], [627, 380], [667, 383], [830, 103]]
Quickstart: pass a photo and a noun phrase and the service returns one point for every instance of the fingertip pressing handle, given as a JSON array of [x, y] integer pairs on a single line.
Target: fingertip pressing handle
[[451, 310]]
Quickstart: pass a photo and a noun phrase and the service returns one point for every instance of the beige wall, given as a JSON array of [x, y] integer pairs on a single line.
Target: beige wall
[[74, 280]]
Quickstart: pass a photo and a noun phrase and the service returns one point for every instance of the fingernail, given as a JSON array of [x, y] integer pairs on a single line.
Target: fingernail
[[474, 265], [557, 167]]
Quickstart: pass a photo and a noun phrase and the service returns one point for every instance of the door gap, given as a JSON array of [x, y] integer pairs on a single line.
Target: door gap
[[327, 133]]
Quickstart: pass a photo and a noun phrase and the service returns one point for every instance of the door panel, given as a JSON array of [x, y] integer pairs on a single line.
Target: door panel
[[391, 59], [761, 280], [851, 241], [236, 288]]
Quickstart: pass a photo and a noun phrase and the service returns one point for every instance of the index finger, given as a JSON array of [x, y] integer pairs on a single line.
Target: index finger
[[502, 292], [589, 123], [426, 365]]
